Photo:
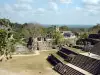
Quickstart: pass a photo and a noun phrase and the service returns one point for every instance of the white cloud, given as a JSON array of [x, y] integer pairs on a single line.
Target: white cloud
[[66, 1], [7, 8], [78, 8], [92, 6], [53, 6], [39, 11], [25, 1], [91, 1], [21, 10], [22, 7]]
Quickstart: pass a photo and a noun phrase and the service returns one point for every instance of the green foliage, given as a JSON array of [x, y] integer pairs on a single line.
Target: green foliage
[[84, 35], [94, 29], [10, 45], [6, 42], [82, 29], [4, 22], [2, 39], [33, 30], [17, 31], [58, 38], [50, 31], [63, 28]]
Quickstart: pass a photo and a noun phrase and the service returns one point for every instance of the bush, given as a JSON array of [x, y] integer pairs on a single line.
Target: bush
[[2, 39]]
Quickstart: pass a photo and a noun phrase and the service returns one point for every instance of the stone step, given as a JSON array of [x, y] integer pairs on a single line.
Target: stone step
[[60, 58], [72, 66]]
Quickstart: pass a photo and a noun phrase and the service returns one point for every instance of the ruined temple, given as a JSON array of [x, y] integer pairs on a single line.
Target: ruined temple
[[41, 43]]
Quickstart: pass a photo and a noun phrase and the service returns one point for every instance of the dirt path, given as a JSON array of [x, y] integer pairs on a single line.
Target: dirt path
[[35, 53]]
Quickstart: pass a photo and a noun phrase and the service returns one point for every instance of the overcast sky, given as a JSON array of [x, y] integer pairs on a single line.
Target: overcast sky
[[51, 11]]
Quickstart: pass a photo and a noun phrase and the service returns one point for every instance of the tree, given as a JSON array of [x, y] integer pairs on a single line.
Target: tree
[[50, 31], [85, 35], [2, 40], [6, 44], [63, 28], [58, 38], [83, 29], [17, 31], [94, 29], [6, 41], [4, 22], [33, 30]]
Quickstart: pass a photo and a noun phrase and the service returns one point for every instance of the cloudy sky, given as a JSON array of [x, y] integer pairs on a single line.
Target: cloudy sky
[[85, 12]]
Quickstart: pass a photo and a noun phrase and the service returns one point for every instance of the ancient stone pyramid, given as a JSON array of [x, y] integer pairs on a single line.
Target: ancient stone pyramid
[[96, 49]]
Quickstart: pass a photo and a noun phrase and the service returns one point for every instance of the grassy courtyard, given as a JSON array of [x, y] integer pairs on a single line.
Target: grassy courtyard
[[29, 65]]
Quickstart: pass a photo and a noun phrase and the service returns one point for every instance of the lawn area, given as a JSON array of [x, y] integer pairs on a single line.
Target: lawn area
[[29, 65]]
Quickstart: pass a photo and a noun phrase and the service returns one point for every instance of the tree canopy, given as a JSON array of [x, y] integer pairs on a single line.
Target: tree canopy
[[33, 30], [63, 28]]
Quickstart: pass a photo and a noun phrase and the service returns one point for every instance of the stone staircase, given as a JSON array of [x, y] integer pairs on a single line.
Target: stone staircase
[[83, 65]]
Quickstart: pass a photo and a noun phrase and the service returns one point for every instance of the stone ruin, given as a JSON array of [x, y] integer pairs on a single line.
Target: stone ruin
[[88, 43], [96, 49], [74, 64], [41, 43], [34, 44], [91, 41]]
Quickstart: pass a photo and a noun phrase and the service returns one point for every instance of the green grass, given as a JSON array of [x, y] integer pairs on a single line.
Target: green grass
[[34, 63]]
